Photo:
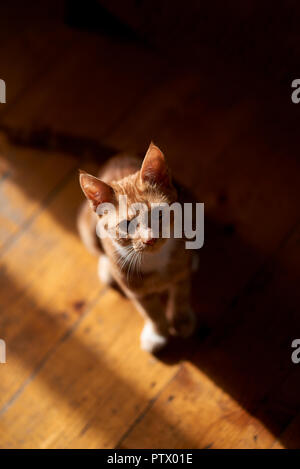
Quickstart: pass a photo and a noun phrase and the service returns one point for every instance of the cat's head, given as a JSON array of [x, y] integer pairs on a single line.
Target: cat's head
[[150, 186]]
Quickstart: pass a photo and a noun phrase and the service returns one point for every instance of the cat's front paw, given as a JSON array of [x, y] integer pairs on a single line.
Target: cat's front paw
[[104, 270], [184, 324], [151, 341]]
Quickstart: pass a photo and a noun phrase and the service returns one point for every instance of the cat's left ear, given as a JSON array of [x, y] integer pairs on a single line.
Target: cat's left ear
[[95, 190], [154, 168]]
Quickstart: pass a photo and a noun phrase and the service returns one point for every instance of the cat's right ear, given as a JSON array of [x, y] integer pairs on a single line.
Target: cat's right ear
[[95, 190], [154, 168]]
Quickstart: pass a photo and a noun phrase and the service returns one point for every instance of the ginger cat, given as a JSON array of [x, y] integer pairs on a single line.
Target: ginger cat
[[154, 273]]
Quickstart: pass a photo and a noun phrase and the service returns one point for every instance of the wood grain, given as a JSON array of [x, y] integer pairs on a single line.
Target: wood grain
[[76, 97], [92, 388], [75, 375], [47, 282], [32, 39], [22, 190], [193, 412]]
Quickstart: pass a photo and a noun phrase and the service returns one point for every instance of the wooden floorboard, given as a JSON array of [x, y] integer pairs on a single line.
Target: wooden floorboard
[[244, 370], [193, 412], [22, 189], [97, 382], [54, 294], [37, 274], [290, 436], [78, 97], [32, 41], [75, 375]]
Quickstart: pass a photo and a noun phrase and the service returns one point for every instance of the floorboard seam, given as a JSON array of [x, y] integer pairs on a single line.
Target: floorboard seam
[[44, 203], [147, 408], [50, 353]]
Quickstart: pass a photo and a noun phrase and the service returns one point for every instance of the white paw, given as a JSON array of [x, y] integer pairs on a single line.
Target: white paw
[[104, 270], [151, 341]]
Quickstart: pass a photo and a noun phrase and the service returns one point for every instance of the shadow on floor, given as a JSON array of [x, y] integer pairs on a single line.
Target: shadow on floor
[[247, 352], [247, 300], [245, 348], [81, 377]]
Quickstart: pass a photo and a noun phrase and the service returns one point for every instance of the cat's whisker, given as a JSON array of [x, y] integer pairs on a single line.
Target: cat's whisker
[[134, 262], [130, 265], [123, 260], [127, 259], [139, 263]]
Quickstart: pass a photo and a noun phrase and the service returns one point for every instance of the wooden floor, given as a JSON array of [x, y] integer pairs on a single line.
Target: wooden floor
[[75, 376]]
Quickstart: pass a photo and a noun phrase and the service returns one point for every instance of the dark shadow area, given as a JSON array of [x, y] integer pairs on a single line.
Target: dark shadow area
[[46, 139], [245, 170], [245, 349], [95, 18], [79, 374], [247, 352]]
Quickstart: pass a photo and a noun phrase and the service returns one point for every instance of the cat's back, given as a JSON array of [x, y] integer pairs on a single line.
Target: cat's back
[[119, 167]]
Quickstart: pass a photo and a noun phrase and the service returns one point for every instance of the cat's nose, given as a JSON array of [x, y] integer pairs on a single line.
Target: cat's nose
[[150, 241]]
